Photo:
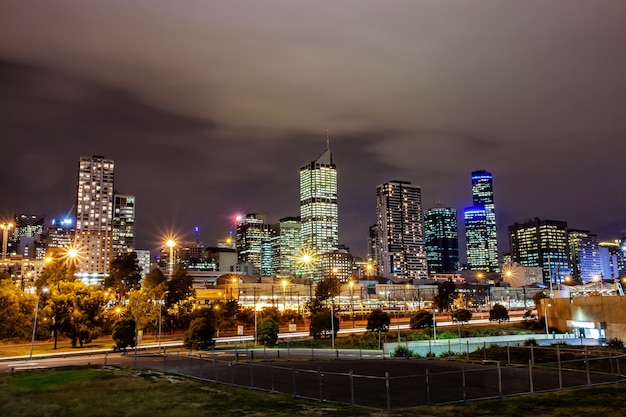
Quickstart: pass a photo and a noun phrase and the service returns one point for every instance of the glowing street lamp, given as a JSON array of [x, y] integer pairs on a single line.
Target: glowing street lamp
[[352, 301], [160, 315], [284, 283], [170, 243]]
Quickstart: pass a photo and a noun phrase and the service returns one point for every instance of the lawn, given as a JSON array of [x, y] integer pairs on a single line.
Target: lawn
[[94, 391]]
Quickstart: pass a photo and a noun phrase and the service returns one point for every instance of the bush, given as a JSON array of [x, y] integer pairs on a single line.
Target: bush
[[498, 313], [462, 315], [199, 335], [530, 342], [402, 352], [268, 331], [123, 333], [616, 343], [321, 325], [421, 319], [378, 321]]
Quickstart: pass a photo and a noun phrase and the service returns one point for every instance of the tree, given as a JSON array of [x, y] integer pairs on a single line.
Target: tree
[[154, 279], [75, 310], [378, 321], [16, 311], [538, 296], [446, 294], [327, 288], [124, 274], [421, 319], [498, 313], [200, 334], [178, 299], [462, 315], [268, 331], [123, 333], [321, 324]]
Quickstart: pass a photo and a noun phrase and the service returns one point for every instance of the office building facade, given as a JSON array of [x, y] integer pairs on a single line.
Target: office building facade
[[123, 224], [400, 231], [542, 243], [318, 205], [480, 225], [441, 239], [253, 243]]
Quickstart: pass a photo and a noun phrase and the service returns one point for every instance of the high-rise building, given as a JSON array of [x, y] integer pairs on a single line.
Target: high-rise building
[[286, 245], [441, 239], [542, 243], [318, 204], [60, 235], [400, 231], [123, 224], [253, 243], [28, 236], [94, 214], [610, 253], [584, 254], [480, 225]]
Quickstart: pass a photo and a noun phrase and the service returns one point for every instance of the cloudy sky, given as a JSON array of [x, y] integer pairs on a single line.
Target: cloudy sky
[[209, 108]]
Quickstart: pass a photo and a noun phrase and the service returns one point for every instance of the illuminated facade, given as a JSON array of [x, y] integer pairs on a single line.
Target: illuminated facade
[[253, 243], [542, 243], [318, 204], [480, 225], [441, 239], [584, 253], [123, 224], [28, 236], [94, 214], [400, 231], [286, 245]]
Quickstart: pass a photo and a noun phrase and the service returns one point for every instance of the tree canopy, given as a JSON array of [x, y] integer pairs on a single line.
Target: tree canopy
[[378, 321], [124, 274], [421, 319], [461, 315], [498, 313], [446, 294]]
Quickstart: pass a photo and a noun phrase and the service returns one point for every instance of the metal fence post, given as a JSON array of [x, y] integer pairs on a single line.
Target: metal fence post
[[587, 366], [178, 363], [427, 387], [463, 382], [508, 354], [106, 355], [530, 376], [351, 387], [388, 390], [293, 380], [484, 350], [532, 354], [467, 345], [611, 362], [320, 383], [499, 380], [558, 359]]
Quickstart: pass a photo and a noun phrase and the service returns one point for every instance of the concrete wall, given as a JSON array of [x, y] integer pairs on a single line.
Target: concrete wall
[[608, 311]]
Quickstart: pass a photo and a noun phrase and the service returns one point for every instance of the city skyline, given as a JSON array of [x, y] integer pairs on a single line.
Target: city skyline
[[209, 110]]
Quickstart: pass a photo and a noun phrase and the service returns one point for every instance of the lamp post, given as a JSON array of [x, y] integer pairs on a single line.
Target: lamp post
[[32, 343], [352, 302], [5, 237], [545, 316], [170, 243], [284, 284], [160, 315]]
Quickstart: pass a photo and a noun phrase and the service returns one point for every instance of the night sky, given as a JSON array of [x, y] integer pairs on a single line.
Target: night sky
[[210, 108]]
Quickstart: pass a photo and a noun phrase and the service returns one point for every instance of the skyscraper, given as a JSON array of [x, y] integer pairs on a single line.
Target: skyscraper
[[318, 204], [441, 239], [542, 243], [480, 225], [253, 243], [584, 255], [286, 244], [400, 231], [94, 214], [123, 224]]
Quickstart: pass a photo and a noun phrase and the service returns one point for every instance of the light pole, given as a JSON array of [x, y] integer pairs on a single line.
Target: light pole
[[160, 315], [284, 284], [32, 343], [352, 302], [545, 316], [5, 237], [170, 243]]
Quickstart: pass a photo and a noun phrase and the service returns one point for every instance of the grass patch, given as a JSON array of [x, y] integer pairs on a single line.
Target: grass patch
[[100, 392]]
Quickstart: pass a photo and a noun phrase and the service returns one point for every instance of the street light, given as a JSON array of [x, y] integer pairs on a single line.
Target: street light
[[352, 302], [284, 284], [170, 243], [5, 237], [160, 321], [32, 343], [545, 316]]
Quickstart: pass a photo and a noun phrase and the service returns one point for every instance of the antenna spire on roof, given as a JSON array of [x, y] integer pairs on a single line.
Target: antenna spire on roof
[[327, 140]]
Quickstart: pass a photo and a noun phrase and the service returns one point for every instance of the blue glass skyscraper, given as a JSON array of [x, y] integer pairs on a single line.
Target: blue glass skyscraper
[[480, 225]]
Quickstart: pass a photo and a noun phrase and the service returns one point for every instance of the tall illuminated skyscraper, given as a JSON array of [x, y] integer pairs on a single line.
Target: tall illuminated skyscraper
[[442, 239], [94, 214], [318, 204], [480, 225], [123, 224], [400, 231]]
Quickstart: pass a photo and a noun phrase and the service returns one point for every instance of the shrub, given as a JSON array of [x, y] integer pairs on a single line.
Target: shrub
[[402, 352], [530, 342], [616, 343], [421, 319], [199, 335], [268, 331]]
